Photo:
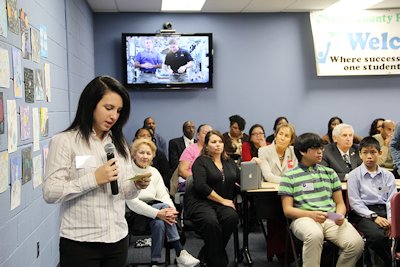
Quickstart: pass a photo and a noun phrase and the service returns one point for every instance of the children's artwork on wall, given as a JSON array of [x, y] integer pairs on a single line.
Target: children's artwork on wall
[[35, 41], [4, 68], [25, 36], [37, 171], [18, 76], [12, 14], [44, 121], [16, 176], [25, 122], [29, 88], [26, 154], [39, 90], [47, 84], [1, 113], [3, 171], [12, 126], [35, 128], [43, 41], [45, 152], [3, 18]]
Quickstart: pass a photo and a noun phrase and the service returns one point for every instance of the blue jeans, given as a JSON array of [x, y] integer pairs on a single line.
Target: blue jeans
[[159, 231]]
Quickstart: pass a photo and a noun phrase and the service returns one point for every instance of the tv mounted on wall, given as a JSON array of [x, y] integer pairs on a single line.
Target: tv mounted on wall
[[167, 61]]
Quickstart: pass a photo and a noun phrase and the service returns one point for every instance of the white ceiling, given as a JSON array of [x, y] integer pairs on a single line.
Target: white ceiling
[[228, 6]]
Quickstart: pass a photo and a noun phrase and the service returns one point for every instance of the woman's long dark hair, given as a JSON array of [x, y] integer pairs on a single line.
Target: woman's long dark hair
[[373, 130], [90, 97], [253, 148], [330, 129], [204, 151]]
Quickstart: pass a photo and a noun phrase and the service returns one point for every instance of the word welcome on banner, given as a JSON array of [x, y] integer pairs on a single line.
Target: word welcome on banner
[[362, 43]]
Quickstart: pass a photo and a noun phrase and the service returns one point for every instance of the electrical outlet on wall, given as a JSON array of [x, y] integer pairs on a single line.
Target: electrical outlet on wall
[[37, 249]]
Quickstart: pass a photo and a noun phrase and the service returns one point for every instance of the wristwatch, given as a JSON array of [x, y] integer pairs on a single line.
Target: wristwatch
[[373, 216]]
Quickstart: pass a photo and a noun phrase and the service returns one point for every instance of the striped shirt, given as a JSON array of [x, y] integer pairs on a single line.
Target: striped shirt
[[311, 187], [89, 212]]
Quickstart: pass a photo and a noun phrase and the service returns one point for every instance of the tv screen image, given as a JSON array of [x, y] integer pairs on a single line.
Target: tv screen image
[[167, 61]]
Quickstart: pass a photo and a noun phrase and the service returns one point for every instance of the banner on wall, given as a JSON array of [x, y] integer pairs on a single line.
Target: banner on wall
[[362, 43]]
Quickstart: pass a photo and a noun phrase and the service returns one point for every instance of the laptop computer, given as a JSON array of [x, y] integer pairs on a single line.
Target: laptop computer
[[250, 176]]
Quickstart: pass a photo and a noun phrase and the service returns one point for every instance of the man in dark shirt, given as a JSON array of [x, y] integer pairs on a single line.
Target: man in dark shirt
[[177, 61]]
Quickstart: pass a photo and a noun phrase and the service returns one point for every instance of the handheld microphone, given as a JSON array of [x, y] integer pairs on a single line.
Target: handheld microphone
[[109, 149]]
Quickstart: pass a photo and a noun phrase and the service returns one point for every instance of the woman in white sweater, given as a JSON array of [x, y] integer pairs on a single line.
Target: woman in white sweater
[[154, 202]]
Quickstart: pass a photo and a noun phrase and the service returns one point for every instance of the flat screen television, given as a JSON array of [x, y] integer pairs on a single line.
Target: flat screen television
[[167, 61]]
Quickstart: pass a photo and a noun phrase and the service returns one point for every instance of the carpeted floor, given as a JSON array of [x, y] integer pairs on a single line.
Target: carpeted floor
[[193, 245]]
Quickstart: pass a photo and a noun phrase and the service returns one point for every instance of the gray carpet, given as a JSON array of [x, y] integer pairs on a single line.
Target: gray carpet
[[193, 245]]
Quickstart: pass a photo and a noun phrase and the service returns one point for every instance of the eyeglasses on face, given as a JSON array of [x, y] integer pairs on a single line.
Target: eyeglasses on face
[[257, 134]]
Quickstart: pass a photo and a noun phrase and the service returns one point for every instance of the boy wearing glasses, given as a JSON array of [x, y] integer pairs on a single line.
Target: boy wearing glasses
[[370, 189], [311, 196]]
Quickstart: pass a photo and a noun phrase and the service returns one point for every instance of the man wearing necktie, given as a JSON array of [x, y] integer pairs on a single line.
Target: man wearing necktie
[[342, 155], [346, 159]]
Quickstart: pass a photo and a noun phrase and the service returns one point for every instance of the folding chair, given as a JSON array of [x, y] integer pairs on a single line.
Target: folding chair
[[329, 255], [144, 259]]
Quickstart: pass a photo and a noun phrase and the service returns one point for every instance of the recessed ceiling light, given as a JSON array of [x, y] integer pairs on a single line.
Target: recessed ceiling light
[[182, 5]]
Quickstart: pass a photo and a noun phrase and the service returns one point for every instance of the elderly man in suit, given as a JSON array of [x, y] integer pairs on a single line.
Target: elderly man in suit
[[342, 155], [177, 145]]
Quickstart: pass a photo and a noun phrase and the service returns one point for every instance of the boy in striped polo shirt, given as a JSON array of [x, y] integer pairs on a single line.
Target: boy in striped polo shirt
[[312, 197]]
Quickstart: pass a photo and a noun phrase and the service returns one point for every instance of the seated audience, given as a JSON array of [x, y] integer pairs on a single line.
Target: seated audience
[[342, 155], [278, 121], [370, 189], [256, 140], [384, 138], [210, 205], [279, 157], [235, 137], [376, 126], [177, 145], [150, 123], [327, 138], [154, 202], [160, 162], [189, 155], [310, 193], [276, 159]]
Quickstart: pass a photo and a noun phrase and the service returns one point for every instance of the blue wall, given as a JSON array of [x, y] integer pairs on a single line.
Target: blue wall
[[264, 68], [71, 56]]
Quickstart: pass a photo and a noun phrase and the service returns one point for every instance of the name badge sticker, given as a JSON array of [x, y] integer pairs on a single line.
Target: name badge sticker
[[308, 187], [82, 162]]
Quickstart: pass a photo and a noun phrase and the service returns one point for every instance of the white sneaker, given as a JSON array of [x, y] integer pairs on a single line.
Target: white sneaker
[[186, 260]]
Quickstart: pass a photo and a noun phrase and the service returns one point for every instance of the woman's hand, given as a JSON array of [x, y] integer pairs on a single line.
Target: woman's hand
[[107, 173], [143, 183], [256, 160], [168, 215], [228, 203]]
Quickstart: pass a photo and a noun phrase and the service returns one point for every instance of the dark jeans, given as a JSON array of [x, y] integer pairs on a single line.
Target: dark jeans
[[93, 254], [376, 237]]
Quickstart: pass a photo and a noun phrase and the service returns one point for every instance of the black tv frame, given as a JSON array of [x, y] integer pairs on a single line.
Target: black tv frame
[[172, 85]]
